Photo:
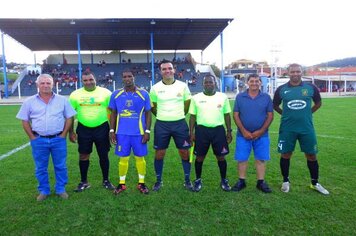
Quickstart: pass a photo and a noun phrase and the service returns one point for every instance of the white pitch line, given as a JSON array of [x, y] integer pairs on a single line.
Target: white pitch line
[[14, 151], [333, 136], [326, 136]]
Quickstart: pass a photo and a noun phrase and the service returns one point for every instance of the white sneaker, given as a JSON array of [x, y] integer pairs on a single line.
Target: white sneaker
[[319, 188], [285, 187]]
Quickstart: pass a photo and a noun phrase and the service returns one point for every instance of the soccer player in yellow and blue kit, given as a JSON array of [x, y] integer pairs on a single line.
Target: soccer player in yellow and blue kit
[[297, 97], [130, 123]]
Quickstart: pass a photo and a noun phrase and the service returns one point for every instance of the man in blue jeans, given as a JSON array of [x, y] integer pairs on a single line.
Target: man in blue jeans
[[46, 118]]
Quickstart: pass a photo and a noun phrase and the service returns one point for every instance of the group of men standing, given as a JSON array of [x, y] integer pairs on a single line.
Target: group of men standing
[[124, 119]]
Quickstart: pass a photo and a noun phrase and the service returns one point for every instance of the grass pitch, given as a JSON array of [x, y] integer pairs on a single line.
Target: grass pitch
[[173, 210]]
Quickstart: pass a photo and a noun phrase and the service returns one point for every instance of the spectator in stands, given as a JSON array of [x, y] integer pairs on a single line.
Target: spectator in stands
[[296, 124], [194, 80], [253, 114], [71, 82], [198, 73], [130, 124], [91, 103], [209, 111], [351, 88], [46, 118], [170, 99], [30, 82]]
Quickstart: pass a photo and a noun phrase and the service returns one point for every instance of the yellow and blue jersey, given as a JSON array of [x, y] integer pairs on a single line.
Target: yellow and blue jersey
[[130, 108]]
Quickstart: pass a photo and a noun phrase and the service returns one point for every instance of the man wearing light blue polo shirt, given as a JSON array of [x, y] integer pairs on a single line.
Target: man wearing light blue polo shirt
[[46, 118]]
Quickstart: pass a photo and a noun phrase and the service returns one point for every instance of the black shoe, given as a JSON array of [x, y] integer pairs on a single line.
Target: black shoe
[[81, 187], [264, 187], [225, 185], [157, 186], [239, 186], [197, 185], [188, 185], [108, 185]]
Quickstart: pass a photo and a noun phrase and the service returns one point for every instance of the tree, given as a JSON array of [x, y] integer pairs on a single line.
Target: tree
[[216, 70]]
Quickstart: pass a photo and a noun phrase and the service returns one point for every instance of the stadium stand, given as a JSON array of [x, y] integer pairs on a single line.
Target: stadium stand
[[109, 76]]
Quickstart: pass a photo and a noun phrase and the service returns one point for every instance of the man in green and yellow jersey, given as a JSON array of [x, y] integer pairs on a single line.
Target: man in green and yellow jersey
[[91, 103], [209, 111]]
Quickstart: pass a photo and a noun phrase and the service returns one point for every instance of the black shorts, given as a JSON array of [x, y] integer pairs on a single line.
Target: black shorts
[[216, 136], [98, 135], [164, 130]]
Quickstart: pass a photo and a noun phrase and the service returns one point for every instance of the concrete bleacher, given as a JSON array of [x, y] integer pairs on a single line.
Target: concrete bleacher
[[109, 76]]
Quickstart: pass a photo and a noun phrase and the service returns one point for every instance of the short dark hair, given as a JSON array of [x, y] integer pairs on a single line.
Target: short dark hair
[[88, 73], [295, 65], [210, 76], [254, 75], [164, 62], [127, 70]]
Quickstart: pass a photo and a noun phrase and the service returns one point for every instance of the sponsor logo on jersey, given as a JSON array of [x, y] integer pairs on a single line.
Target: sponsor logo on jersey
[[287, 91], [126, 113], [89, 102], [296, 104]]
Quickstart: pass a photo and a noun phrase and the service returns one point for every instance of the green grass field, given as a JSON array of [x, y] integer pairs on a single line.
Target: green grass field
[[10, 76], [173, 210]]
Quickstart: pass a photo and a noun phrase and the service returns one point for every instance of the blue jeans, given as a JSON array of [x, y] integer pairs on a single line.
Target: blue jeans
[[42, 148]]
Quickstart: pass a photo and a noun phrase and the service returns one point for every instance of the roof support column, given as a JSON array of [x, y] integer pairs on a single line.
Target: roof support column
[[152, 61], [79, 61], [4, 66], [222, 80]]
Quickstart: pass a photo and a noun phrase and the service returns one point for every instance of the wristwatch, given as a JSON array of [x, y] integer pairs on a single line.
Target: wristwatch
[[112, 131], [147, 131]]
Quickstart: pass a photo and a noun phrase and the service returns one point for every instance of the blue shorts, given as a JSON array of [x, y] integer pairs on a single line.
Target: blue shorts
[[124, 144], [260, 148], [164, 130]]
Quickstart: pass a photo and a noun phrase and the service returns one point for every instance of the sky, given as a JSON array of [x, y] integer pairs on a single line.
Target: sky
[[277, 31]]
